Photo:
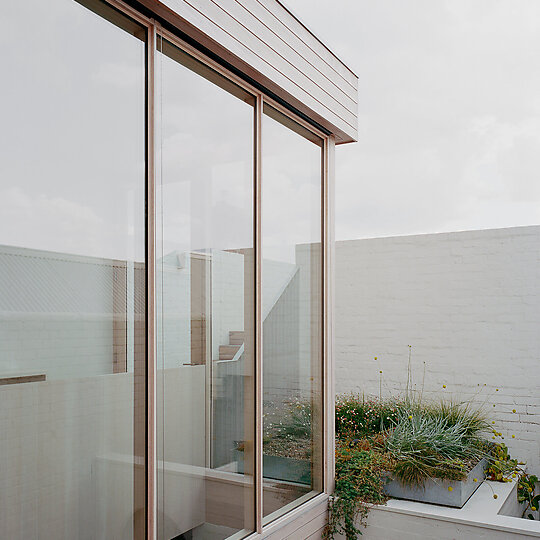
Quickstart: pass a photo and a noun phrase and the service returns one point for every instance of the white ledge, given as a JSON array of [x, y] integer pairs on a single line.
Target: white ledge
[[482, 511]]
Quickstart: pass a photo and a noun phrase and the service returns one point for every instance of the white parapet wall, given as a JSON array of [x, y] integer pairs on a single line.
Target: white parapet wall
[[469, 305], [483, 517]]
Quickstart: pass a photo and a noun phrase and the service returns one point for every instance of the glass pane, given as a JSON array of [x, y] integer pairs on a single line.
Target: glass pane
[[72, 267], [292, 303], [206, 275]]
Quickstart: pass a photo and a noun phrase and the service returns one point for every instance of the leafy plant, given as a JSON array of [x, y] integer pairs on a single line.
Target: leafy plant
[[502, 467], [360, 478], [526, 494], [404, 437], [411, 440]]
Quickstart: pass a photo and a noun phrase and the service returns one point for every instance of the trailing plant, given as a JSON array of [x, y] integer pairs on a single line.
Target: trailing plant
[[361, 471], [526, 494], [405, 438], [411, 440], [502, 467]]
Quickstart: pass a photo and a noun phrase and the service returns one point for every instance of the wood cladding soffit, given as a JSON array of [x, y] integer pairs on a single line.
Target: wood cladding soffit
[[264, 41]]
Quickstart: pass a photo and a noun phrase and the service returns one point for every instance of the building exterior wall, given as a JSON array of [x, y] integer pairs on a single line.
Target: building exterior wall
[[467, 302], [306, 523], [74, 341], [57, 313], [267, 43], [383, 525]]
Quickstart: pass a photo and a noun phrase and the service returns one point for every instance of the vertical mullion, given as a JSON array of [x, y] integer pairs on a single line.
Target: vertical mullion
[[151, 292], [323, 285], [328, 298], [258, 450]]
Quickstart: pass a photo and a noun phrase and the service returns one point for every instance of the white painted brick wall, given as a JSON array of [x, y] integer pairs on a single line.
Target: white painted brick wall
[[467, 302]]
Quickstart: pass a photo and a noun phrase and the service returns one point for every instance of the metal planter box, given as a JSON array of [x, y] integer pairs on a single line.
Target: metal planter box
[[437, 492], [281, 468]]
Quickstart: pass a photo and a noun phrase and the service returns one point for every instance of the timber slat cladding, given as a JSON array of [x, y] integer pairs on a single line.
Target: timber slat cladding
[[269, 44], [20, 379]]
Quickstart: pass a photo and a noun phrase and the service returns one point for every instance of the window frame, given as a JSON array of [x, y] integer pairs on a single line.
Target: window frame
[[154, 30]]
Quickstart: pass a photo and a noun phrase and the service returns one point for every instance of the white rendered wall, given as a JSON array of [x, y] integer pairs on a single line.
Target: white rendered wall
[[61, 440], [467, 302], [482, 518]]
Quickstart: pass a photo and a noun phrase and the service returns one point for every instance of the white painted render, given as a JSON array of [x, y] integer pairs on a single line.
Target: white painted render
[[62, 418], [482, 518]]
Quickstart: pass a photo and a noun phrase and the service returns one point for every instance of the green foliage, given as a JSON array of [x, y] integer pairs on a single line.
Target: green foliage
[[407, 438], [502, 468], [427, 440], [411, 440], [441, 441], [360, 478], [471, 420], [527, 487]]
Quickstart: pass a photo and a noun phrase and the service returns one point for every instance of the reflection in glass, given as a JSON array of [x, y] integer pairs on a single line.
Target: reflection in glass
[[72, 269], [206, 280], [292, 303]]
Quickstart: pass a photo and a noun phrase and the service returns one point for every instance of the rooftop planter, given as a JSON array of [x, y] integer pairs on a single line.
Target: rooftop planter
[[419, 451], [287, 444], [280, 468], [454, 493]]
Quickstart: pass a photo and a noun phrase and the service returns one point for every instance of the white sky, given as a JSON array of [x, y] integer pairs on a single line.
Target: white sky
[[449, 113], [449, 124]]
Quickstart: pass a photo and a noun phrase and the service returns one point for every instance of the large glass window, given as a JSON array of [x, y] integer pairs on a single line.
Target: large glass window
[[206, 322], [72, 266], [291, 312], [75, 294]]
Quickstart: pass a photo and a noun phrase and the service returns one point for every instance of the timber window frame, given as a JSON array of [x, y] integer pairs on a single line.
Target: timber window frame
[[156, 31]]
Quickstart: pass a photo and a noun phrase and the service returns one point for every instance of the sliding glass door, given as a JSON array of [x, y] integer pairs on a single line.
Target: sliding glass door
[[206, 301], [291, 312]]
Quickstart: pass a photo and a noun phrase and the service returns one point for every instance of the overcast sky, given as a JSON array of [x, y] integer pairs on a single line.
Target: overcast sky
[[449, 125], [449, 113]]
